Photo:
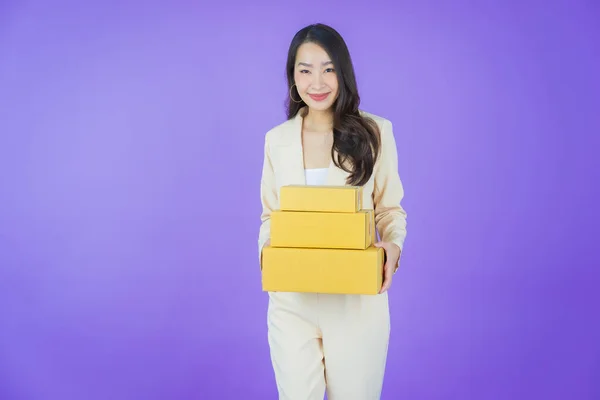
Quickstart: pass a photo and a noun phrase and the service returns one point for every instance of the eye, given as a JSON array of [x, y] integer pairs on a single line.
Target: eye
[[329, 70], [304, 71]]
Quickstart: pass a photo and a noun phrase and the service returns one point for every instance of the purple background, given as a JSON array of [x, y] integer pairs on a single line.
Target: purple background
[[130, 158]]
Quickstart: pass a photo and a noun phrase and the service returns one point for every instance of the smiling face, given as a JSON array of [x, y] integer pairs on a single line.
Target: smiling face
[[315, 77]]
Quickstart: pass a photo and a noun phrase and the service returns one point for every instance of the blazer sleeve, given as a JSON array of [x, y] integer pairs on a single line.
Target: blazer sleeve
[[390, 217], [268, 197]]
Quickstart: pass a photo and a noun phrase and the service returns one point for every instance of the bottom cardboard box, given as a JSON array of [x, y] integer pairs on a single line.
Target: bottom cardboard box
[[334, 271]]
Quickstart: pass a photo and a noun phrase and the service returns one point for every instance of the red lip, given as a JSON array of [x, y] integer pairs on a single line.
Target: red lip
[[319, 97]]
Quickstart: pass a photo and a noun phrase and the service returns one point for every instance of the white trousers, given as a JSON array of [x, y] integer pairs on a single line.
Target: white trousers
[[328, 343]]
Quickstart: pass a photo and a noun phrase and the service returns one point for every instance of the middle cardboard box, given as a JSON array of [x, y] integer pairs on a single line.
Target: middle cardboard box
[[323, 230]]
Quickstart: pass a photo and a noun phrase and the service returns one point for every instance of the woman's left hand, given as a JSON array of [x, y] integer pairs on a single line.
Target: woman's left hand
[[392, 255]]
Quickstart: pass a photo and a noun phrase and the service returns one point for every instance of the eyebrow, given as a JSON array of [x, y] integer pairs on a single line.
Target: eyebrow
[[310, 65]]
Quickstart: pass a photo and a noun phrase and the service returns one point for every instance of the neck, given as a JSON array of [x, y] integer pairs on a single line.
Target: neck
[[321, 121]]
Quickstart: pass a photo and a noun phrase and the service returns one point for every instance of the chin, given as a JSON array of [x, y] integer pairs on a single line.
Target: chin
[[319, 106]]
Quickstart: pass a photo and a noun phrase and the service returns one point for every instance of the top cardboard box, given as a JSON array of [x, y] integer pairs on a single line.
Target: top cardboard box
[[346, 199]]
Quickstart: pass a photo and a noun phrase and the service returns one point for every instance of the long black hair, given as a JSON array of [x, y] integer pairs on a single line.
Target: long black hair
[[356, 138]]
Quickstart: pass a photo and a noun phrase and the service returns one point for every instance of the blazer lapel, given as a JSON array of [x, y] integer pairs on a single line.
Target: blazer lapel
[[336, 176], [292, 154]]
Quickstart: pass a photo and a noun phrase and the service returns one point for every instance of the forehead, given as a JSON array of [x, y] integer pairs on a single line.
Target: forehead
[[311, 53]]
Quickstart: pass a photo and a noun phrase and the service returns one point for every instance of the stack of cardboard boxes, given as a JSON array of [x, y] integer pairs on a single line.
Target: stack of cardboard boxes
[[322, 242]]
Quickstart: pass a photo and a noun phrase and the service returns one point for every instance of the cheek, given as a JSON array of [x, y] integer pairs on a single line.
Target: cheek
[[332, 82], [302, 82]]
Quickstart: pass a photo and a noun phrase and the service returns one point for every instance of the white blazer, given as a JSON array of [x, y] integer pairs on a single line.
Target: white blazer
[[283, 165]]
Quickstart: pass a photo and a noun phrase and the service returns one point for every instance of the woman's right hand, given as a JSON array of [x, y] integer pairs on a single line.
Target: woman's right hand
[[267, 243]]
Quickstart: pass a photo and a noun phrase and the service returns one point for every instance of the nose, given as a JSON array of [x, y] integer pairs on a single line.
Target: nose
[[318, 81]]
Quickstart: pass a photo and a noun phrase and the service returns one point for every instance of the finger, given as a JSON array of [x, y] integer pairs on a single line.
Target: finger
[[387, 279], [387, 283], [384, 246], [387, 276]]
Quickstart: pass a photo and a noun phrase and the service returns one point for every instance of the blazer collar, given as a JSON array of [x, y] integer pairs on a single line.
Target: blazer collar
[[294, 156]]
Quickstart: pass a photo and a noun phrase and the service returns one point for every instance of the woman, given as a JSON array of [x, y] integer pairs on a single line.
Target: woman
[[325, 342]]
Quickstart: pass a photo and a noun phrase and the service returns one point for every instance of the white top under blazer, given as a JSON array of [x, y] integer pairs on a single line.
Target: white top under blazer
[[316, 176]]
